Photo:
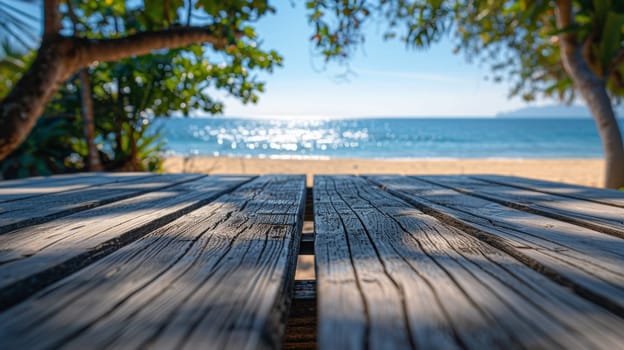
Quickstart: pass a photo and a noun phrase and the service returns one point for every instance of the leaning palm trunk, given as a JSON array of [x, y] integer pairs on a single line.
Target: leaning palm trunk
[[595, 94], [594, 91]]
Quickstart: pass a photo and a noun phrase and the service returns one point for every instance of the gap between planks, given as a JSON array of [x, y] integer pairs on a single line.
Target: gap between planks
[[264, 221], [301, 325]]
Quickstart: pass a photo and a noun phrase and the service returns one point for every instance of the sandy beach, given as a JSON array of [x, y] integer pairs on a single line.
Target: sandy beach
[[582, 171]]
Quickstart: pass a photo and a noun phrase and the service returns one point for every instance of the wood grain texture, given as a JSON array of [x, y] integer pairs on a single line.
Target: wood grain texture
[[390, 276], [32, 211], [35, 256], [589, 262], [596, 216], [34, 187], [219, 277], [598, 195], [37, 181]]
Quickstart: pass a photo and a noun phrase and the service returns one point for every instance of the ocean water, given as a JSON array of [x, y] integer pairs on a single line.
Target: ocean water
[[382, 138]]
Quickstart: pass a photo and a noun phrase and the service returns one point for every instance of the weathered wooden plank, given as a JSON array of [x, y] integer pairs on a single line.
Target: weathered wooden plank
[[31, 211], [35, 256], [39, 180], [33, 187], [589, 262], [387, 272], [343, 293], [598, 195], [596, 216], [219, 277]]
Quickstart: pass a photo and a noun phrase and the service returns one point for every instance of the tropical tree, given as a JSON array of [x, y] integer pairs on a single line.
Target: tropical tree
[[129, 94], [52, 145], [88, 119], [116, 29], [547, 48]]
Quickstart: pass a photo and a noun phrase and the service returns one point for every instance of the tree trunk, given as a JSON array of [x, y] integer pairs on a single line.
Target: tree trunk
[[58, 57], [88, 122], [594, 92], [86, 100], [21, 108]]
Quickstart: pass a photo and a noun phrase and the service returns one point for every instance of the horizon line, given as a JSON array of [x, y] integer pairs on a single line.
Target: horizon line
[[321, 117]]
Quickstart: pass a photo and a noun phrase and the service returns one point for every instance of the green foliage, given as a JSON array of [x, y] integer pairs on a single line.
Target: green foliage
[[12, 66], [132, 92], [129, 94], [54, 145], [518, 39], [50, 148], [139, 149], [114, 17]]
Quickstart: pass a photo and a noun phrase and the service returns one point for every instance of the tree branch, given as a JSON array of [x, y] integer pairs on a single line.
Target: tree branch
[[72, 16], [565, 20], [189, 12], [91, 50], [51, 18], [593, 89], [166, 12], [572, 57], [59, 57], [590, 58]]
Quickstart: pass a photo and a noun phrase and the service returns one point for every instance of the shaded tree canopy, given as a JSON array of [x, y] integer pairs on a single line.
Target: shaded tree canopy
[[544, 48], [517, 39], [111, 30]]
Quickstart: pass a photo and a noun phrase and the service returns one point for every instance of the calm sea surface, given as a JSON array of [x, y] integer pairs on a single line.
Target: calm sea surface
[[383, 138]]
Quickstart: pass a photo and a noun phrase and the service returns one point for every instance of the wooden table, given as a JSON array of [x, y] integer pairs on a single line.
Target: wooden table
[[192, 261]]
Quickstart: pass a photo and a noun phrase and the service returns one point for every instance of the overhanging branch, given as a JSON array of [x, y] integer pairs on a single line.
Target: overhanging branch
[[563, 14], [58, 57], [51, 18], [91, 50]]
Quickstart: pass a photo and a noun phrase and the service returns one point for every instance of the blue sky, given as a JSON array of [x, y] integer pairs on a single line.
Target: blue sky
[[389, 79]]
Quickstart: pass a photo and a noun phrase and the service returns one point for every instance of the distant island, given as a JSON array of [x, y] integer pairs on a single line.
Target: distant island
[[553, 111]]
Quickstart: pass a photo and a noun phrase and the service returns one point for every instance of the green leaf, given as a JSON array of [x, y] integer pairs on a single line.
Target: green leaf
[[611, 38]]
